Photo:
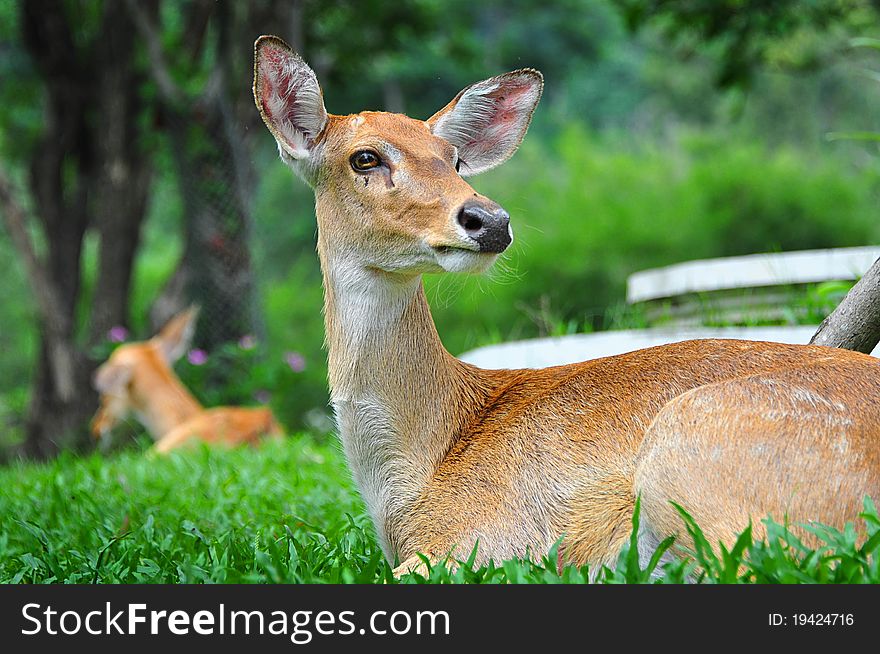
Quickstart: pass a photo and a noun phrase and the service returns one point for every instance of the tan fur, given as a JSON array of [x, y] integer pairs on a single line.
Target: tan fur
[[448, 455], [223, 426], [138, 379]]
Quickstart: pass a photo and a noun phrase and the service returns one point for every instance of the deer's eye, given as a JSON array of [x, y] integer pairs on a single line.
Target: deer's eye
[[365, 160]]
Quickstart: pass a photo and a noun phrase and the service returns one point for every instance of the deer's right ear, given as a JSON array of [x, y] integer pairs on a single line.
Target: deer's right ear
[[175, 337], [488, 120], [288, 96]]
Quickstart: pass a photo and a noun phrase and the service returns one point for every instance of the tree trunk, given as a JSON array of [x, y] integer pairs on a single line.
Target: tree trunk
[[855, 323], [209, 135], [216, 258], [86, 164], [59, 176], [214, 175], [54, 423], [124, 173]]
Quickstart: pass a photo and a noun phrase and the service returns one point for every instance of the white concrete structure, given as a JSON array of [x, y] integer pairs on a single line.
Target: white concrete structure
[[543, 352], [751, 271]]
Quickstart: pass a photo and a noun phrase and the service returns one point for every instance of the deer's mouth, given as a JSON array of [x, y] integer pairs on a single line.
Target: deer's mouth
[[461, 258], [452, 249]]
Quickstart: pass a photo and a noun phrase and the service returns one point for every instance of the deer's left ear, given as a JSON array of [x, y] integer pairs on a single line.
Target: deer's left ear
[[488, 120]]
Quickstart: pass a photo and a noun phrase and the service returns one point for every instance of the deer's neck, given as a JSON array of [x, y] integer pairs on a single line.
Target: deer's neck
[[400, 399], [167, 403]]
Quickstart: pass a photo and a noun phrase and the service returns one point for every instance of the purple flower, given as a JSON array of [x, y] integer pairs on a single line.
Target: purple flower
[[263, 396], [117, 334], [247, 342], [197, 357], [296, 361]]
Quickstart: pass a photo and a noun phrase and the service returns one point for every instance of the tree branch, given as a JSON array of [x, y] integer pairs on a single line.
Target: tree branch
[[168, 88], [855, 323]]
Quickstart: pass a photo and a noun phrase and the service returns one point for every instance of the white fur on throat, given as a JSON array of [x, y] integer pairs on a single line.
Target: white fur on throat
[[363, 318]]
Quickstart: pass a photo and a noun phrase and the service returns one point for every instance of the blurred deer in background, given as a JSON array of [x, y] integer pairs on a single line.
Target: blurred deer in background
[[138, 379], [448, 456]]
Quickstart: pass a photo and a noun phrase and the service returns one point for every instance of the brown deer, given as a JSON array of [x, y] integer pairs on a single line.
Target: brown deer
[[138, 379], [447, 455]]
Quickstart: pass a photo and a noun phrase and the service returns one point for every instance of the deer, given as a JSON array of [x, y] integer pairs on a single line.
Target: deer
[[139, 379], [455, 461]]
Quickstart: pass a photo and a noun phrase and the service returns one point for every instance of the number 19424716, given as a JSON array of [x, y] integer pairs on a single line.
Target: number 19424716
[[811, 619]]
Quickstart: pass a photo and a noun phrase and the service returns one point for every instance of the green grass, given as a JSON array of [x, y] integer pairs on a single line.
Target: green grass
[[289, 513]]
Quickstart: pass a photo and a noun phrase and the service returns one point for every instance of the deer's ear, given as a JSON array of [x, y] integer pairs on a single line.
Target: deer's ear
[[288, 96], [175, 337], [488, 120]]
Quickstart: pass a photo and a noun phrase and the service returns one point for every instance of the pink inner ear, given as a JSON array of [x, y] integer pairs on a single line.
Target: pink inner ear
[[290, 99], [512, 96], [512, 106], [277, 80]]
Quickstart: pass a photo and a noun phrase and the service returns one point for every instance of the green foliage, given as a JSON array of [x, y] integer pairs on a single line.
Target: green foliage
[[287, 513], [820, 300], [791, 32], [18, 346], [415, 55], [629, 568]]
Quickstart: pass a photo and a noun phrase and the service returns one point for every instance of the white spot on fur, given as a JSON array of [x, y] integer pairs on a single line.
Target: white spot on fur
[[803, 395]]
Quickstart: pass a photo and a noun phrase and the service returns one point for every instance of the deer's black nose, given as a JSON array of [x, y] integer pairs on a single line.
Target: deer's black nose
[[487, 224]]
